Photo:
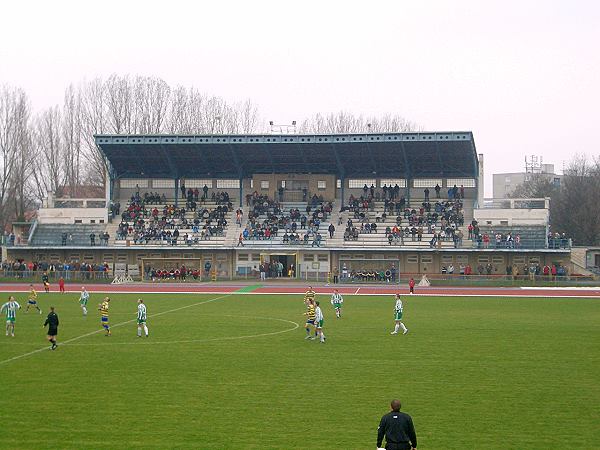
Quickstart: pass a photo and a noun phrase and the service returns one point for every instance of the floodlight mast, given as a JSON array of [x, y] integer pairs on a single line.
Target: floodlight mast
[[283, 128]]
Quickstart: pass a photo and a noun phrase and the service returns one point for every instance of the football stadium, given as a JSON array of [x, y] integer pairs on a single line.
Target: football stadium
[[184, 298]]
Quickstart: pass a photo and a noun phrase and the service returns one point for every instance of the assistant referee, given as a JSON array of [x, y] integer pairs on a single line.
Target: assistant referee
[[398, 429]]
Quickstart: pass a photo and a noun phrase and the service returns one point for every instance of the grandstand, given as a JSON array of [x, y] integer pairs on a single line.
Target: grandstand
[[307, 201]]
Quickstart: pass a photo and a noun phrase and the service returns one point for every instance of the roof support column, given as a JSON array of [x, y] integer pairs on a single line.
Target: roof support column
[[176, 191], [340, 171], [407, 172]]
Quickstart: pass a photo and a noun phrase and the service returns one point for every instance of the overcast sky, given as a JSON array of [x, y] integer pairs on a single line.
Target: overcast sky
[[524, 76]]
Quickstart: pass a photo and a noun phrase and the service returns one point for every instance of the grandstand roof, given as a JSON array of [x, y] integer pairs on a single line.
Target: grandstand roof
[[407, 155]]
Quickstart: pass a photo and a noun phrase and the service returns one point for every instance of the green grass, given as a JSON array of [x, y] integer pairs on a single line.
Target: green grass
[[476, 373]]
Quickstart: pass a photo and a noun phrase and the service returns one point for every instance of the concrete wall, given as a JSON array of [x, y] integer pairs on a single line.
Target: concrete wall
[[227, 261], [70, 215], [275, 180], [514, 217], [123, 195]]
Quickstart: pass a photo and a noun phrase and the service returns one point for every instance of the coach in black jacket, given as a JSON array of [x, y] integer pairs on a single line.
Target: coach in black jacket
[[398, 429]]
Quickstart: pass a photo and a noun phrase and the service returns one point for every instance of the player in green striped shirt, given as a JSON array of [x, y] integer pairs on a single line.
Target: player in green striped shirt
[[337, 300], [83, 300], [11, 307], [141, 318]]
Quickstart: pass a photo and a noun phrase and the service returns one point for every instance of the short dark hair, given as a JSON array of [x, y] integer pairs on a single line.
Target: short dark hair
[[395, 404]]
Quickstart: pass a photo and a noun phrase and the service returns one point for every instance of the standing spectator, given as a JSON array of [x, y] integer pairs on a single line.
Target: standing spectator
[[397, 428], [462, 191], [207, 266], [241, 240], [426, 192], [204, 192], [64, 239], [336, 275], [61, 285], [437, 190], [411, 285], [263, 271], [52, 322], [280, 190], [182, 188], [331, 230], [92, 239]]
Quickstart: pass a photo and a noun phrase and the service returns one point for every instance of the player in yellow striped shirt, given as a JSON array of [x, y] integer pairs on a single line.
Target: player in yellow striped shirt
[[103, 308], [310, 317], [309, 295], [32, 301]]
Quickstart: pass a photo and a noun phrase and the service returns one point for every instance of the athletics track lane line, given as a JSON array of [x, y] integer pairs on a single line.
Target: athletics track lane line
[[120, 324]]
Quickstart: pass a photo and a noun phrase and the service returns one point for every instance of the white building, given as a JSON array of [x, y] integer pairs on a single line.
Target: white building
[[505, 183]]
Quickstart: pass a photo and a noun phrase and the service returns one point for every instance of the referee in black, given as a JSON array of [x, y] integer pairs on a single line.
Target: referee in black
[[398, 429], [52, 322]]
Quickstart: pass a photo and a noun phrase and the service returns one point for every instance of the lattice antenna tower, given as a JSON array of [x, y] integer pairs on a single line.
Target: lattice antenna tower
[[533, 164]]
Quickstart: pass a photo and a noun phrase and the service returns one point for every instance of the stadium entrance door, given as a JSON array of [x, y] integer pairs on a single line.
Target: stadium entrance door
[[288, 260]]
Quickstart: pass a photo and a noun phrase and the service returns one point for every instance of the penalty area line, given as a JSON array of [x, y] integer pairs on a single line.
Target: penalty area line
[[120, 324]]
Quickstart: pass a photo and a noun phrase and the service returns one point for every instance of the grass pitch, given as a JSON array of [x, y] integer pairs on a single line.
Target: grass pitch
[[234, 371]]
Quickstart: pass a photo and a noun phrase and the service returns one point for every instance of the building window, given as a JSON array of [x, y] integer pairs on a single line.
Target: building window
[[321, 185], [198, 183], [426, 259], [308, 257], [465, 182], [338, 184], [323, 257], [483, 259], [412, 259], [427, 182], [228, 184], [251, 184], [264, 184], [391, 182], [447, 258], [243, 257], [359, 184], [130, 183], [163, 184], [507, 180], [283, 184]]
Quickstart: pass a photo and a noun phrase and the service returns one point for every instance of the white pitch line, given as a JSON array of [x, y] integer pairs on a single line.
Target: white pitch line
[[192, 341], [358, 289], [14, 358]]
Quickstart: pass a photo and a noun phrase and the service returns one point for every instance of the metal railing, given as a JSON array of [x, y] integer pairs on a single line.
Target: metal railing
[[69, 275]]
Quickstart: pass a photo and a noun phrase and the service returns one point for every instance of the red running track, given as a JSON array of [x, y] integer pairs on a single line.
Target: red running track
[[256, 288]]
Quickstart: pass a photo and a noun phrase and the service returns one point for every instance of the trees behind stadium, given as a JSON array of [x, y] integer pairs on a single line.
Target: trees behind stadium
[[54, 149], [573, 204]]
